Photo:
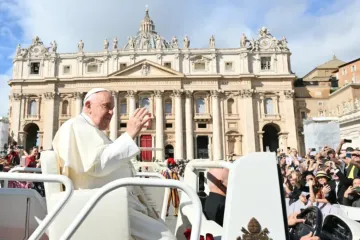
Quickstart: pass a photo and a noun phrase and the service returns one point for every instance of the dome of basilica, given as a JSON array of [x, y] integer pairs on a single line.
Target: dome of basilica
[[147, 38]]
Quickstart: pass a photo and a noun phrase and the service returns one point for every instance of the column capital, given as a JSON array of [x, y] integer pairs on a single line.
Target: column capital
[[247, 93], [178, 92], [78, 95], [158, 93], [114, 93], [50, 95], [215, 93], [189, 93], [131, 94], [289, 94], [17, 96]]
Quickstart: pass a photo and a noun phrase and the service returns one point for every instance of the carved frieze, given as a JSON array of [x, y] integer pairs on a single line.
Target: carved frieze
[[289, 94], [145, 69]]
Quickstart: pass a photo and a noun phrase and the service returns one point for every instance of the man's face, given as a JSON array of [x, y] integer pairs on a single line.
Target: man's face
[[356, 183], [100, 109], [35, 152], [356, 157]]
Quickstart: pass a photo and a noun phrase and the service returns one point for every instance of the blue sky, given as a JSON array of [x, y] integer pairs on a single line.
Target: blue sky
[[315, 29]]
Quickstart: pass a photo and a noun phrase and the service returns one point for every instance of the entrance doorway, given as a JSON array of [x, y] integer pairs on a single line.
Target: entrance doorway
[[202, 150], [169, 151], [31, 130], [270, 137], [146, 141]]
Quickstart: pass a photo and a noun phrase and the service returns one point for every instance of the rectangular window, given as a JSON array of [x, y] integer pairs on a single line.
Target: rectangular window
[[353, 68], [123, 125], [303, 115], [202, 125], [228, 66], [199, 66], [66, 70], [265, 63], [167, 64], [123, 66], [123, 108], [92, 68], [35, 68], [168, 125]]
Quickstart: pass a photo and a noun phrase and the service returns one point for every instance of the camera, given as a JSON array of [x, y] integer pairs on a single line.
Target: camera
[[347, 141], [313, 149]]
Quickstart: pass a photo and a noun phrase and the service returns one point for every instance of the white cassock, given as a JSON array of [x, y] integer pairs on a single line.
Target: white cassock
[[91, 160]]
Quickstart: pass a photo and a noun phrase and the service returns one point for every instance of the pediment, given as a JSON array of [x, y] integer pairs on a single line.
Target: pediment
[[148, 69]]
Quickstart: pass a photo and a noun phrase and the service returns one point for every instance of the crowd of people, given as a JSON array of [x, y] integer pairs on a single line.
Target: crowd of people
[[329, 176]]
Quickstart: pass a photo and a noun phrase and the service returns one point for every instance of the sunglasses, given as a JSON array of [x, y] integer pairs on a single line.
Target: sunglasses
[[310, 179]]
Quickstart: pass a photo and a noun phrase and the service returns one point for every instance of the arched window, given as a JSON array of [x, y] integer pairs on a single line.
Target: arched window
[[123, 107], [145, 103], [269, 106], [65, 107], [200, 105], [230, 106], [168, 106], [32, 108]]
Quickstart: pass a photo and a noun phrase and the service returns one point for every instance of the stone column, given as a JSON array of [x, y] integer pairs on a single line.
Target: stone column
[[49, 119], [189, 122], [288, 99], [16, 115], [179, 137], [249, 120], [132, 103], [217, 137], [41, 138], [283, 141], [114, 124], [238, 145], [22, 139], [78, 102], [159, 155], [275, 101], [261, 141], [262, 107]]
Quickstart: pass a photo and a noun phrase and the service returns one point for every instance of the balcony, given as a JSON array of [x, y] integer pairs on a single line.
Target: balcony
[[124, 115], [231, 116], [202, 116], [272, 117], [169, 115], [32, 117], [65, 116]]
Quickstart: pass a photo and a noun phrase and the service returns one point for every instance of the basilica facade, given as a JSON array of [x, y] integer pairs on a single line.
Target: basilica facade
[[203, 102]]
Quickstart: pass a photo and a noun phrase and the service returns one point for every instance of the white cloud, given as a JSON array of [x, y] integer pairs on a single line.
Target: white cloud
[[313, 39]]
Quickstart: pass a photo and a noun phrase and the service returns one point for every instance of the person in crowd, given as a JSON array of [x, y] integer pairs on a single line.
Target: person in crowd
[[320, 191], [339, 182], [172, 173], [90, 159], [352, 194], [353, 168], [31, 160], [13, 154], [214, 208]]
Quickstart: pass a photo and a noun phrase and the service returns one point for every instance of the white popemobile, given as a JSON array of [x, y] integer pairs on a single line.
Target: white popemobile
[[254, 209]]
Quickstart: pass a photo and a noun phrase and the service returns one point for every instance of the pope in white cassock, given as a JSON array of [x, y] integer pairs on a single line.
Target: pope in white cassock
[[91, 160]]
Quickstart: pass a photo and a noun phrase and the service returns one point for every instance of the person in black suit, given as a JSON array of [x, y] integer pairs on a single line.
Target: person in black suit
[[338, 185]]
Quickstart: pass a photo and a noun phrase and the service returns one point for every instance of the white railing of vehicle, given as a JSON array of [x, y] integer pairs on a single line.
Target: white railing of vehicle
[[166, 194], [21, 169], [138, 182], [39, 231], [212, 164]]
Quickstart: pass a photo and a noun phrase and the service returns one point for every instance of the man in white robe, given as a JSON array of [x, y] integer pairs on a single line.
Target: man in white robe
[[90, 159]]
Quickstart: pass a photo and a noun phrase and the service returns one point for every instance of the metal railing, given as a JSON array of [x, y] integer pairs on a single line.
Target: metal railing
[[137, 182], [210, 164], [21, 169], [44, 224], [166, 194]]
